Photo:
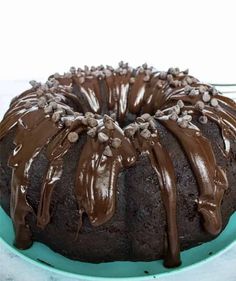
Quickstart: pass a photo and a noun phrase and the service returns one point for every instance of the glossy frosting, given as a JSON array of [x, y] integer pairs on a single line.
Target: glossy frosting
[[118, 111]]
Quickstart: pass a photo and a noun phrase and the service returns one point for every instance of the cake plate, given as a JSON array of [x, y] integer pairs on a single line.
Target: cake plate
[[42, 256]]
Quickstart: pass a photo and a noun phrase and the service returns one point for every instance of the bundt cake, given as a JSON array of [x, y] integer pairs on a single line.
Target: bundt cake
[[104, 164]]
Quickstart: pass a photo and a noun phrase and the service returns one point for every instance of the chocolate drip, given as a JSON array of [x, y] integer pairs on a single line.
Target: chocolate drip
[[212, 180], [44, 119]]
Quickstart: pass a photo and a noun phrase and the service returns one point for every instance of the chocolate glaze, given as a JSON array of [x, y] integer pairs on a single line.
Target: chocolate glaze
[[47, 116]]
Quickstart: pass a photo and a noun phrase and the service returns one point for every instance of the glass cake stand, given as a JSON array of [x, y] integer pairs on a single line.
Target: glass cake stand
[[44, 257]]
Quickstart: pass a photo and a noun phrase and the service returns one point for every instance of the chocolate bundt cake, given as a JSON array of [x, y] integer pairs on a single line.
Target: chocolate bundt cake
[[104, 164]]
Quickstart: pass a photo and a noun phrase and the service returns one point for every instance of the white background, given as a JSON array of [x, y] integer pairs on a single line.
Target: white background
[[38, 38], [42, 37]]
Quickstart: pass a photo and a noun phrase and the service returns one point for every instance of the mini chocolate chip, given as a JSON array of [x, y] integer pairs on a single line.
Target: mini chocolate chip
[[180, 103], [56, 117], [92, 122], [89, 114], [73, 137], [158, 113], [173, 116], [186, 71], [53, 104], [146, 78], [182, 123], [146, 116], [102, 137], [131, 80], [73, 70], [200, 105], [187, 118], [92, 132], [107, 151], [109, 124], [203, 119], [162, 75], [206, 97], [144, 125], [214, 102], [27, 105], [48, 109], [116, 142], [189, 80], [145, 133], [81, 79]]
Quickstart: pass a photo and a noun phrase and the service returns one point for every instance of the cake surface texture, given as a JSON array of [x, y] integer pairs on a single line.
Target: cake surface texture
[[106, 164]]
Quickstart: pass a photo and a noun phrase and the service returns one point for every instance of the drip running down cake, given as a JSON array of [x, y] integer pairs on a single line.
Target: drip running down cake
[[118, 164]]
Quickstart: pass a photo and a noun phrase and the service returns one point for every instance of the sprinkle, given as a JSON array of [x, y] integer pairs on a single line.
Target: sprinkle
[[27, 105], [144, 125], [109, 124], [180, 103], [81, 79], [214, 102], [206, 97], [131, 80], [73, 70], [158, 113], [107, 151], [92, 132], [53, 104], [146, 78], [116, 142], [73, 137], [162, 75], [200, 105], [146, 116], [48, 109], [145, 133], [56, 117], [203, 119], [102, 137], [92, 122]]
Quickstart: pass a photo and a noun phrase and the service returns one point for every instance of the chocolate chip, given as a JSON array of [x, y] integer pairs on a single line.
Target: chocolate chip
[[194, 92], [73, 70], [203, 119], [171, 70], [200, 105], [84, 121], [97, 116], [131, 80], [146, 116], [68, 121], [49, 96], [206, 97], [81, 79], [42, 102], [109, 124], [102, 137], [145, 66], [169, 77], [57, 75], [144, 125], [69, 111], [56, 117], [162, 75], [152, 124], [159, 84], [53, 104], [48, 109], [78, 114], [113, 116], [214, 91], [27, 105], [34, 83], [129, 131], [39, 92], [92, 132], [107, 73], [107, 151], [187, 118], [175, 109], [189, 80], [145, 133], [182, 123], [158, 113], [202, 89], [140, 120], [214, 102], [73, 137], [92, 122], [116, 142], [186, 71], [180, 103], [173, 116]]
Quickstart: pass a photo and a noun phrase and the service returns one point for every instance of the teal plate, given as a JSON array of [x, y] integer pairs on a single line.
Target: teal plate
[[43, 257]]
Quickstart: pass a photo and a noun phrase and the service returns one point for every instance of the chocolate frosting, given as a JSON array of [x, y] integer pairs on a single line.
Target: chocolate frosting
[[118, 110]]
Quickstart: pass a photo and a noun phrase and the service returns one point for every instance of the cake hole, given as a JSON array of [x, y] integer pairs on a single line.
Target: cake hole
[[210, 253], [146, 272]]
